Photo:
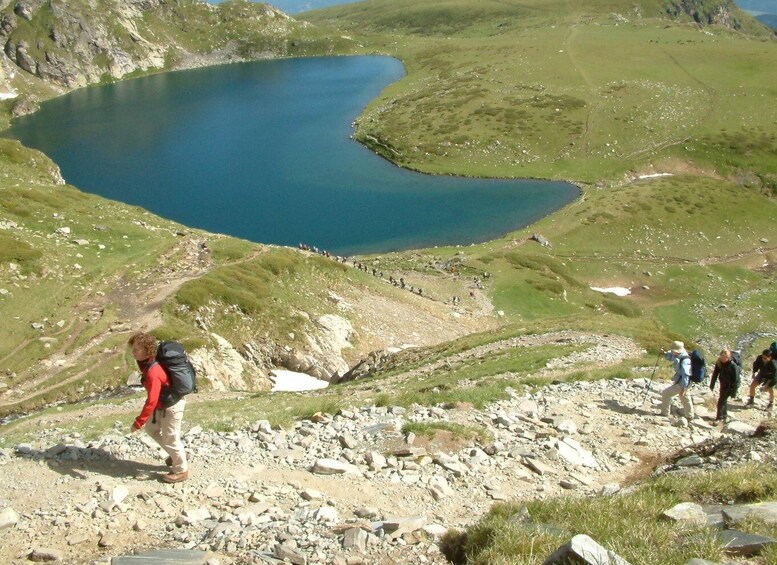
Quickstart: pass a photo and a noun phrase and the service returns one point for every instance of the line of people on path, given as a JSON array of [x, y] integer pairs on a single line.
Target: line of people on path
[[727, 372]]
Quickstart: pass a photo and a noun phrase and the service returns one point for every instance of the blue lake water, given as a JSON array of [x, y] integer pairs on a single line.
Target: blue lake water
[[262, 151], [296, 6]]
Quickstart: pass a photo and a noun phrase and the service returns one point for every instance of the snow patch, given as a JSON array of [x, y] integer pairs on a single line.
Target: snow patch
[[616, 290], [654, 175], [291, 381]]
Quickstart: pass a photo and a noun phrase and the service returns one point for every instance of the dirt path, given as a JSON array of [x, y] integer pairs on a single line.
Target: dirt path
[[138, 304]]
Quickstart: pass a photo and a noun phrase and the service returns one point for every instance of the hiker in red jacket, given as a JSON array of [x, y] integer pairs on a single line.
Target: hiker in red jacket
[[165, 423]]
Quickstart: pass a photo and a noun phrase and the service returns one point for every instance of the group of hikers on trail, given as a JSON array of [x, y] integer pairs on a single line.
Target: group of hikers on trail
[[168, 376], [691, 368]]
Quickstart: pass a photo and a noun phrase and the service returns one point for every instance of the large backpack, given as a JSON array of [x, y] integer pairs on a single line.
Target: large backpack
[[773, 348], [698, 367], [183, 378], [736, 359]]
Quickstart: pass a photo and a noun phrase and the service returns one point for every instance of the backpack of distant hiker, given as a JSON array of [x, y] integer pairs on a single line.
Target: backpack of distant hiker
[[773, 348], [698, 367], [180, 371], [736, 359]]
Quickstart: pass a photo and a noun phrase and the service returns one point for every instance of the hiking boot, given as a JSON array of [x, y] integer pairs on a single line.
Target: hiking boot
[[169, 460], [750, 401], [175, 477]]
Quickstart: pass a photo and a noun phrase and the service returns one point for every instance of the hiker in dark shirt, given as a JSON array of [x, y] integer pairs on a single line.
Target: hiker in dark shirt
[[764, 374], [727, 371]]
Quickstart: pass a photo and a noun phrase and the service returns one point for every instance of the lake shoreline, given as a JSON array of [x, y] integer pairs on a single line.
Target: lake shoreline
[[498, 226]]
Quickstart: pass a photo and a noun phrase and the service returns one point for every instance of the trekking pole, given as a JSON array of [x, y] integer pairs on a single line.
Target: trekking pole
[[652, 376]]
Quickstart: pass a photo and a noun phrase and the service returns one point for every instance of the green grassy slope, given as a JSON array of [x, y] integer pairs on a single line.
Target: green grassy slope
[[582, 91], [515, 90], [76, 268]]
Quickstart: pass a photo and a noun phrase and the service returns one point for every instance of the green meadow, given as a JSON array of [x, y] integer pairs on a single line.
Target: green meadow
[[588, 92]]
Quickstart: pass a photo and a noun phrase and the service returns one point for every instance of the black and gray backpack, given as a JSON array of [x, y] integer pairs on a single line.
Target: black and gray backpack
[[183, 378]]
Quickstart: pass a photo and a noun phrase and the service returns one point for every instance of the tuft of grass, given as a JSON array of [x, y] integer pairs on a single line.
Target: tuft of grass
[[457, 431], [501, 537], [14, 250]]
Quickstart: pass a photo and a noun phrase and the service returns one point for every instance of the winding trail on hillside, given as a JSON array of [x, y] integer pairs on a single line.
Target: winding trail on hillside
[[606, 350], [139, 308], [570, 50]]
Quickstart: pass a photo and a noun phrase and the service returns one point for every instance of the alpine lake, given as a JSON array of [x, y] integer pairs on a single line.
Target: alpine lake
[[263, 151]]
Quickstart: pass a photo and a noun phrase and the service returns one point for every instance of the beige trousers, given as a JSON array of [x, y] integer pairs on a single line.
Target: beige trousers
[[166, 431], [685, 399]]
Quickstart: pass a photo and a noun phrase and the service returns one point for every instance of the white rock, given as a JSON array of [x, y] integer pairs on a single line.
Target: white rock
[[8, 518], [435, 531], [326, 514], [687, 512], [333, 467], [119, 494], [567, 427], [738, 428]]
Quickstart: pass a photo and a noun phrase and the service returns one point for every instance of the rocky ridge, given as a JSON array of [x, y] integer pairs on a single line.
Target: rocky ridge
[[352, 487], [70, 44]]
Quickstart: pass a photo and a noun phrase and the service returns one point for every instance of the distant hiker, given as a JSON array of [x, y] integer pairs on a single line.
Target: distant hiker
[[728, 371], [764, 374], [681, 362], [420, 291], [165, 424], [402, 282]]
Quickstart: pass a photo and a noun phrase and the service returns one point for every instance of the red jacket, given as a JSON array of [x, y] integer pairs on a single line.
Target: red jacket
[[154, 378]]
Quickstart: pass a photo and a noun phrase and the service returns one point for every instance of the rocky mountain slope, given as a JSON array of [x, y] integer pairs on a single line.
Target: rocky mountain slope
[[352, 487], [54, 46]]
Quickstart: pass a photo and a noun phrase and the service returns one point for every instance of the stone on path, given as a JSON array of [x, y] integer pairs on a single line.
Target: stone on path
[[740, 543], [538, 466], [451, 464], [395, 527], [584, 550], [355, 538], [334, 467], [688, 513], [163, 557], [8, 518], [738, 428], [213, 490], [43, 554], [283, 553], [119, 494], [567, 427], [696, 561]]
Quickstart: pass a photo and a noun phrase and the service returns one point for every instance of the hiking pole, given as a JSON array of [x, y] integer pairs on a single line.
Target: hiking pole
[[652, 376]]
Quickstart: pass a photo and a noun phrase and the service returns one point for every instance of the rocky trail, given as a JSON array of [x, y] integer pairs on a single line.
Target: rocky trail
[[352, 487]]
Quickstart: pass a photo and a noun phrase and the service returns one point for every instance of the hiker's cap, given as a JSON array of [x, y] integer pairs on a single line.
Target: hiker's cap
[[678, 346]]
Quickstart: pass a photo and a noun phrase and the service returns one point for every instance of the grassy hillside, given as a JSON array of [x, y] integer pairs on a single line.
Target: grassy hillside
[[583, 91], [78, 273], [514, 90]]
